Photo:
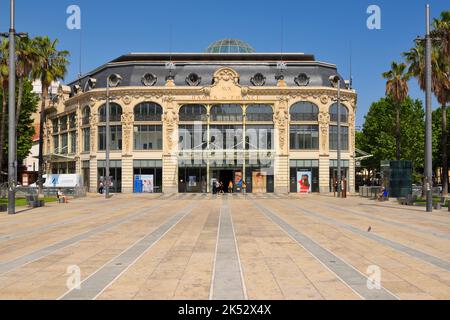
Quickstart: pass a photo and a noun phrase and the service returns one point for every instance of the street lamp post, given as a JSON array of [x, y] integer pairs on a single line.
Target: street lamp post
[[111, 81], [108, 140], [12, 162], [428, 130], [339, 175], [336, 81]]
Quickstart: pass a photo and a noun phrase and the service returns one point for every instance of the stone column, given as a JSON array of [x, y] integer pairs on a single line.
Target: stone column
[[93, 174], [324, 148], [127, 152], [352, 146], [170, 146], [281, 169], [93, 145]]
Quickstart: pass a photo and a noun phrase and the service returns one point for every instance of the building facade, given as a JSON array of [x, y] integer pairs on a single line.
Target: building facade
[[181, 121]]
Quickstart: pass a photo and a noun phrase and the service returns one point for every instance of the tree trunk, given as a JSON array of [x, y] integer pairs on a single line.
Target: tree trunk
[[398, 135], [19, 100], [444, 141], [2, 132], [41, 141]]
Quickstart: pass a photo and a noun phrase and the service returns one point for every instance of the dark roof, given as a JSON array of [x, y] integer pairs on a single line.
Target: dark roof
[[180, 57], [132, 67]]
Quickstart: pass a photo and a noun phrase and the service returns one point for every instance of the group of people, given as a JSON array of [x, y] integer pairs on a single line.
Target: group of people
[[219, 187]]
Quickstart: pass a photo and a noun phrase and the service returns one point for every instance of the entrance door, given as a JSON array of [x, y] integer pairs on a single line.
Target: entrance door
[[224, 176]]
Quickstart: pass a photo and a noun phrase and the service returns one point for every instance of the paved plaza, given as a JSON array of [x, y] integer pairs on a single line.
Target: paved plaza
[[225, 247]]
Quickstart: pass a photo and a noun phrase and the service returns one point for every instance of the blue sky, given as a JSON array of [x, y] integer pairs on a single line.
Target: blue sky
[[325, 28]]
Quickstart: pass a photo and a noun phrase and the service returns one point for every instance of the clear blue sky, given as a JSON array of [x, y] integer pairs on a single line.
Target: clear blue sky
[[325, 28]]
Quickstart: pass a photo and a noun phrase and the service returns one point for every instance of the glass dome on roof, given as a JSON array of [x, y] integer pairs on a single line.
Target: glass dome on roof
[[230, 46]]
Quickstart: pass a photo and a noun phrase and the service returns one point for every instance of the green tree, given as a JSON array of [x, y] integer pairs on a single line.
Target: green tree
[[27, 61], [52, 67], [440, 78], [437, 138], [397, 88], [378, 136]]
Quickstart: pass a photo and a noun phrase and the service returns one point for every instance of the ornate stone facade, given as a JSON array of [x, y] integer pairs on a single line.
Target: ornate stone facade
[[225, 89]]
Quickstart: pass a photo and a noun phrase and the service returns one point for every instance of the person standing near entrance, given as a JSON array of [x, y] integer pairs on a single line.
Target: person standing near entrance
[[230, 187], [244, 187], [101, 188], [214, 187]]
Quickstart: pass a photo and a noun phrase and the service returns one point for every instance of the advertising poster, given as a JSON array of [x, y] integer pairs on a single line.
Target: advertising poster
[[304, 179], [238, 180], [192, 181], [147, 183]]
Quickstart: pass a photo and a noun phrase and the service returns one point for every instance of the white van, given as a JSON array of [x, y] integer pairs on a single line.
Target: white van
[[61, 181]]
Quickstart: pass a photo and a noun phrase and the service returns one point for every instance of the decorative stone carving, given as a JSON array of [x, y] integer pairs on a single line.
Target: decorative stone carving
[[226, 74], [258, 80], [171, 123], [324, 121], [281, 118], [126, 100], [93, 131], [324, 99], [193, 79], [302, 80], [127, 128]]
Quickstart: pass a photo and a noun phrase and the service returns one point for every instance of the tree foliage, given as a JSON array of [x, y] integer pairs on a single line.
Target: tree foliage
[[378, 136], [25, 127]]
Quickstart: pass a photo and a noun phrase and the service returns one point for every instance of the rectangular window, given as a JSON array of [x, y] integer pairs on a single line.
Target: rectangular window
[[116, 138], [305, 137], [64, 143], [86, 139], [73, 142], [226, 137], [192, 137], [55, 125], [56, 143], [72, 121], [63, 123], [259, 137], [334, 138], [148, 137]]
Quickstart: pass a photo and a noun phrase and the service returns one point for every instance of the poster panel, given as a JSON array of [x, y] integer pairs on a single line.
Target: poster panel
[[147, 183], [304, 179]]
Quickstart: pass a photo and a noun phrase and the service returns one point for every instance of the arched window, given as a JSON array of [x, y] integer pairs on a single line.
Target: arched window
[[86, 115], [304, 111], [226, 112], [334, 113], [115, 113], [193, 112], [148, 111], [259, 112]]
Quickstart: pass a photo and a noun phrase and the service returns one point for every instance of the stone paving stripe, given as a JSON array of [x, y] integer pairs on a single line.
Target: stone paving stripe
[[35, 230], [423, 216], [394, 245], [227, 278], [38, 254], [344, 271], [394, 223], [99, 281]]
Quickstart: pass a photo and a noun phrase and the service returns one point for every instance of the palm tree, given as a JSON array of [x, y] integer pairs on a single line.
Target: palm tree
[[27, 61], [52, 66], [440, 59], [397, 89], [441, 85], [4, 83]]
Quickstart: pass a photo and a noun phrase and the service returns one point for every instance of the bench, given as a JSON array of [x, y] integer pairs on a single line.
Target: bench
[[440, 204], [409, 200]]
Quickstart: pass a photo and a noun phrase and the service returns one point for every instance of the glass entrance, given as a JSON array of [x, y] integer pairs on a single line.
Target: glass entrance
[[227, 178]]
